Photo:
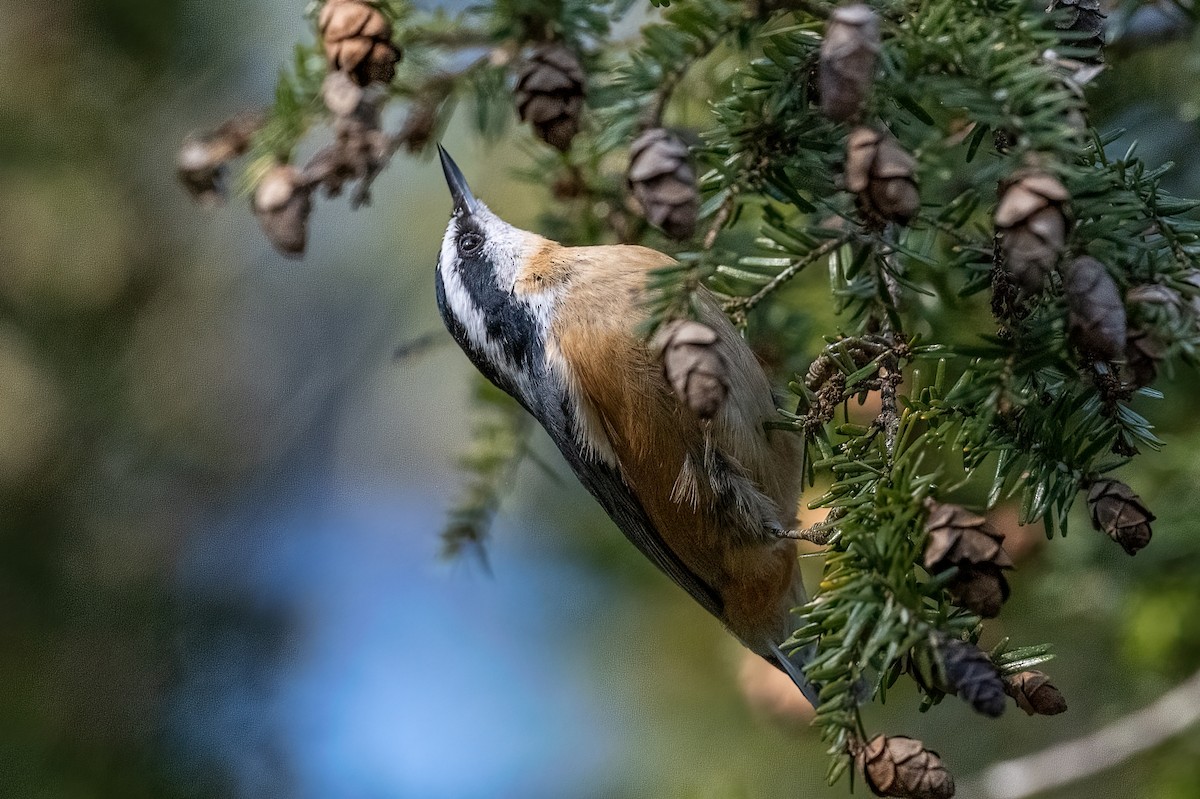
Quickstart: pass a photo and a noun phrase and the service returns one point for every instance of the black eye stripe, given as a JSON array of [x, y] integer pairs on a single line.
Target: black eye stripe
[[506, 320]]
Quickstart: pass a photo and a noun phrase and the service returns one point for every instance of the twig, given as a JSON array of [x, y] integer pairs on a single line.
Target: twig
[[1174, 712], [889, 417], [887, 254], [743, 305], [819, 533], [720, 218]]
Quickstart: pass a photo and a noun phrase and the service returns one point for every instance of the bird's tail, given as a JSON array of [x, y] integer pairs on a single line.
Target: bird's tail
[[793, 665]]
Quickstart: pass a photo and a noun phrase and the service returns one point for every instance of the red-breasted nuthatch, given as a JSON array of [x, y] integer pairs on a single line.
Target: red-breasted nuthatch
[[558, 329]]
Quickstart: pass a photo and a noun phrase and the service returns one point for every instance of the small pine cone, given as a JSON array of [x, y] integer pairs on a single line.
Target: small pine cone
[[1096, 315], [1143, 353], [550, 91], [957, 536], [1080, 16], [1119, 513], [1035, 694], [981, 589], [663, 182], [358, 41], [1033, 228], [970, 674], [902, 767], [881, 172], [203, 161], [693, 366], [846, 68], [282, 203]]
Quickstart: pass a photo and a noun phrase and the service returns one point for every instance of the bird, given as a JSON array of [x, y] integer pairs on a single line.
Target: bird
[[561, 329]]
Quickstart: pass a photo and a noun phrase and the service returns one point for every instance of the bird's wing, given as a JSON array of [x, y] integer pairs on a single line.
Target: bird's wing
[[605, 483], [604, 428]]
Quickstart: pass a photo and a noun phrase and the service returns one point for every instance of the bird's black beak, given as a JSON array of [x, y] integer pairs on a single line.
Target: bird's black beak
[[460, 192]]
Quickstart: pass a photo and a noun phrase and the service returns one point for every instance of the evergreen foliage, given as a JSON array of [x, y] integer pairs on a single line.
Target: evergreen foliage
[[985, 96]]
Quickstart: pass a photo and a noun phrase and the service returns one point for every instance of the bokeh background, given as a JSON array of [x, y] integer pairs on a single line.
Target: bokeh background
[[220, 495]]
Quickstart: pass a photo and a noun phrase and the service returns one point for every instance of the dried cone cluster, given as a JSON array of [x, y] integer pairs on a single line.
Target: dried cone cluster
[[282, 203], [958, 538], [1119, 513], [902, 767], [881, 173], [358, 41], [970, 674], [360, 148], [663, 182], [846, 68], [283, 199], [1032, 225], [1035, 694], [550, 91], [692, 365], [1095, 313], [203, 161]]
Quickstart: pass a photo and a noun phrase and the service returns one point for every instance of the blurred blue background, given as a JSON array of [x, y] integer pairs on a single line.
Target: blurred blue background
[[220, 496]]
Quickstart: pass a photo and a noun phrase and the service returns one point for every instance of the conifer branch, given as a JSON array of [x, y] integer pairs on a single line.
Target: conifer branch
[[740, 306], [956, 171]]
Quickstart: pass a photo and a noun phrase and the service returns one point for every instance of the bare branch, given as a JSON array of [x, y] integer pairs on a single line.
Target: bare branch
[[1173, 713]]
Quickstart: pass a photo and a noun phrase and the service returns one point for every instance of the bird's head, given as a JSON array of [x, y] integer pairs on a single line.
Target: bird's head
[[497, 287]]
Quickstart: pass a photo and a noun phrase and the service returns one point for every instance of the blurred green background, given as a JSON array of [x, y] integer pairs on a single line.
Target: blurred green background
[[220, 496]]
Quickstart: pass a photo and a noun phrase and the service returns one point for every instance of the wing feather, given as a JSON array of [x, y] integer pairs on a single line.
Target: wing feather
[[604, 483]]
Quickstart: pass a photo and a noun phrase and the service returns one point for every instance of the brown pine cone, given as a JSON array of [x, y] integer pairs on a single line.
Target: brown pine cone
[[693, 366], [1032, 225], [1119, 513], [663, 182], [361, 149], [846, 68], [1143, 353], [1035, 694], [203, 161], [282, 203], [959, 538], [970, 674], [881, 173], [902, 767], [1096, 315], [980, 588], [358, 41], [550, 91]]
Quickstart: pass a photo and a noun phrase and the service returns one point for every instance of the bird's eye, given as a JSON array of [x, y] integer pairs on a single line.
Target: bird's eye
[[470, 243]]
